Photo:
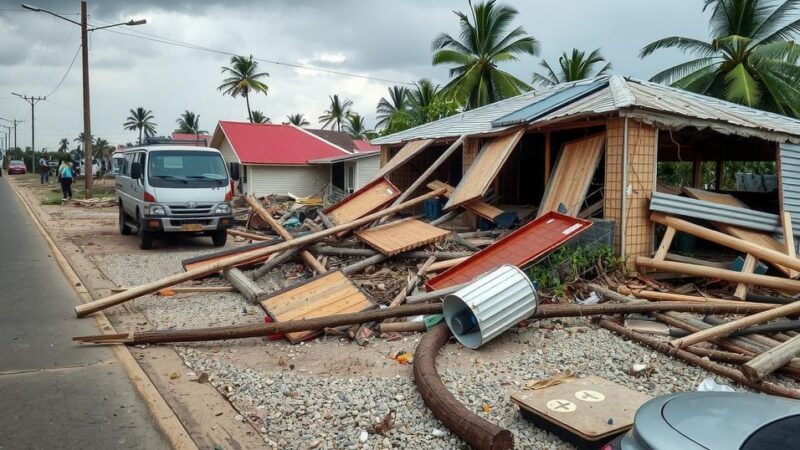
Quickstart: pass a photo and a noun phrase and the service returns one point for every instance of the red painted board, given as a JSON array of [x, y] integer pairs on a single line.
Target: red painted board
[[525, 245]]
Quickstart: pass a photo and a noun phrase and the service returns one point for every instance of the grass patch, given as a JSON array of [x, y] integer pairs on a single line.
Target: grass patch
[[50, 194]]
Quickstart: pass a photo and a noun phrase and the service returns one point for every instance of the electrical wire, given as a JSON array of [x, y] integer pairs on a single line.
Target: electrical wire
[[66, 73]]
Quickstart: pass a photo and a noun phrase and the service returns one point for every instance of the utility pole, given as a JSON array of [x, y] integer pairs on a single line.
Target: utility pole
[[15, 122], [87, 118], [32, 101]]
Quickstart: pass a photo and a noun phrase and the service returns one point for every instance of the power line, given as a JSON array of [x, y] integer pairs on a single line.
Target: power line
[[177, 43], [67, 72]]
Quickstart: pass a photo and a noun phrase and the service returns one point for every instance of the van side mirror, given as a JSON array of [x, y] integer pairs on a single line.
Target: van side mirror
[[234, 169], [136, 171]]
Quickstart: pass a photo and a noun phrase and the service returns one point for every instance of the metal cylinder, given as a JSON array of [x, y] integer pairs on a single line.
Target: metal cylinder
[[490, 305]]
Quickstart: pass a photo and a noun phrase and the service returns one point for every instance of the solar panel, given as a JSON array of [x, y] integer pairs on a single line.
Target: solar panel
[[549, 104]]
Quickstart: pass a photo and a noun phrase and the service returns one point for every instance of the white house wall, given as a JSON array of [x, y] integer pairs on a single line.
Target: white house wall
[[299, 180], [227, 152], [366, 168]]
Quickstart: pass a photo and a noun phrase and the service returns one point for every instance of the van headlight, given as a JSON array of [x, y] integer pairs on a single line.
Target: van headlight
[[223, 208], [156, 210]]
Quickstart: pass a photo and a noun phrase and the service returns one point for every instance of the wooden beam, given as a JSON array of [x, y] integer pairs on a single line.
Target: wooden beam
[[148, 288], [412, 283], [788, 234], [777, 283], [749, 266], [666, 242], [771, 360], [671, 297], [429, 171], [308, 258], [251, 291], [246, 235], [717, 237], [726, 329]]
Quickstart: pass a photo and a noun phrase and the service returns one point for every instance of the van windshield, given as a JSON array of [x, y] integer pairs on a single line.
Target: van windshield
[[186, 168]]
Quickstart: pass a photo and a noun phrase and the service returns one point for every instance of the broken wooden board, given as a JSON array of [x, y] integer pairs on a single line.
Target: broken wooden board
[[370, 198], [484, 169], [583, 407], [401, 235], [404, 155], [477, 206], [326, 295], [753, 236], [525, 245], [210, 258], [570, 180]]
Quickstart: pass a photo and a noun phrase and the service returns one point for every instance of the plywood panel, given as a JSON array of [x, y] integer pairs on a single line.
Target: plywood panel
[[756, 237], [332, 293], [478, 207], [573, 174], [404, 155], [484, 169], [402, 235], [370, 198]]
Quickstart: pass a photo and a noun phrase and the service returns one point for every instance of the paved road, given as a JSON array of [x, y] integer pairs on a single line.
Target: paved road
[[53, 393]]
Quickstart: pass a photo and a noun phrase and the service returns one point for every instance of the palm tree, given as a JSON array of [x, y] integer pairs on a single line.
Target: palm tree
[[336, 113], [392, 112], [244, 78], [751, 57], [63, 145], [482, 44], [78, 149], [574, 67], [102, 151], [356, 126], [189, 123], [297, 120], [141, 119], [258, 117]]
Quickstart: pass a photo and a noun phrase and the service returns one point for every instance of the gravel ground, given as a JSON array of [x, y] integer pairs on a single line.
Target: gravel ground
[[330, 409]]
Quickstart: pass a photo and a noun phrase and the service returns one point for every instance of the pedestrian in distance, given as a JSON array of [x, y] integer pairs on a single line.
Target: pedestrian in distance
[[65, 176], [44, 170]]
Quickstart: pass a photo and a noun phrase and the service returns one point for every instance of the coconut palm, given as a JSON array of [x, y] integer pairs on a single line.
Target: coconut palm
[[63, 145], [336, 113], [356, 126], [78, 149], [258, 117], [244, 78], [482, 44], [573, 67], [141, 119], [392, 112], [751, 57], [189, 123], [297, 120]]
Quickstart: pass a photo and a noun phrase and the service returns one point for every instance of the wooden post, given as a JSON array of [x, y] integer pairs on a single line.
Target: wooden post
[[231, 261], [429, 171], [777, 283], [788, 234], [771, 360], [670, 297], [728, 328], [749, 266], [412, 283], [669, 235], [245, 285], [308, 258]]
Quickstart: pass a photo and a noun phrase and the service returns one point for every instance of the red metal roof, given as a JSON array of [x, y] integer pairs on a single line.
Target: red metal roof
[[256, 143], [525, 245], [363, 145]]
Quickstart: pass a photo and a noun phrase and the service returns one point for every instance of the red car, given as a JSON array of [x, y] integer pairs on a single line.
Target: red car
[[16, 166]]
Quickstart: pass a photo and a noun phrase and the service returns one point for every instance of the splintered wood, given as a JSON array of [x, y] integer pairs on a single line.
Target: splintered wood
[[573, 175], [369, 198], [400, 236], [322, 296], [484, 169], [477, 206]]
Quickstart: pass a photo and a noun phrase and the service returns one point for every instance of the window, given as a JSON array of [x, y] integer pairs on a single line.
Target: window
[[126, 167], [351, 178], [183, 168], [243, 174]]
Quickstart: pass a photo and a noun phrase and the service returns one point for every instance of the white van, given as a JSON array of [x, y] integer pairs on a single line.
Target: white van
[[175, 189]]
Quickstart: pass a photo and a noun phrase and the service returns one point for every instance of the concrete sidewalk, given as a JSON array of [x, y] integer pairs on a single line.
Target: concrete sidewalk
[[53, 392]]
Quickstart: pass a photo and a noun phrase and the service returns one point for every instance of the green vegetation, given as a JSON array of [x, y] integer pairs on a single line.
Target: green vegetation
[[189, 123], [574, 67], [258, 117], [139, 119], [244, 78], [570, 263], [680, 173], [356, 126], [336, 113], [297, 120]]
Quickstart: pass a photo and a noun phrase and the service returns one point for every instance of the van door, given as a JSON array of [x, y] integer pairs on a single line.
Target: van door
[[124, 186], [137, 186]]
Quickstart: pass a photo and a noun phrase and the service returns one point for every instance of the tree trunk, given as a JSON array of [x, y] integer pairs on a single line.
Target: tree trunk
[[249, 114], [140, 135]]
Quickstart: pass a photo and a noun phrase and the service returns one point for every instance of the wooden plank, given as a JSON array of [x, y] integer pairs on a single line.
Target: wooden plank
[[403, 156], [749, 266], [371, 197], [329, 294], [661, 253], [572, 175], [753, 236], [251, 291], [771, 360], [484, 169], [788, 234], [476, 206], [400, 236]]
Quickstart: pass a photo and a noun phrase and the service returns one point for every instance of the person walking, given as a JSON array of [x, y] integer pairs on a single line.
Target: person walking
[[65, 175], [44, 170]]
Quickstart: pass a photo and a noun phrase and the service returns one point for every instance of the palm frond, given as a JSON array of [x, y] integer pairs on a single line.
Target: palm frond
[[695, 46]]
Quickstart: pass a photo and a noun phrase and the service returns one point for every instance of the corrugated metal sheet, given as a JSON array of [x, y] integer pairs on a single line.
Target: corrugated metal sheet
[[635, 98], [490, 305], [684, 206], [790, 182]]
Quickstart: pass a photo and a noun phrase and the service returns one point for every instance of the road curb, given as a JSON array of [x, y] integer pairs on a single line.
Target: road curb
[[165, 418]]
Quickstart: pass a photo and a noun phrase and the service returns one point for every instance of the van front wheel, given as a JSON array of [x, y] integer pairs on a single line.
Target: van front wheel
[[124, 229], [145, 237], [220, 237]]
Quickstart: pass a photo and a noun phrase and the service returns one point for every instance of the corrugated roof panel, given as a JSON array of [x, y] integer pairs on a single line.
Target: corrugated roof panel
[[550, 103], [790, 183]]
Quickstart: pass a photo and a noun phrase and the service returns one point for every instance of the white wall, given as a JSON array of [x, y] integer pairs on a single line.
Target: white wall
[[227, 152], [366, 168], [299, 180]]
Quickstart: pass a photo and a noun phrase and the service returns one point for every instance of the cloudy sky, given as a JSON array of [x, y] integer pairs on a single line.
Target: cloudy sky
[[386, 40]]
